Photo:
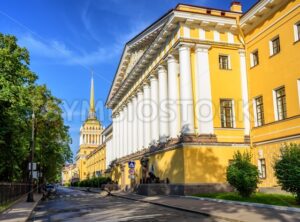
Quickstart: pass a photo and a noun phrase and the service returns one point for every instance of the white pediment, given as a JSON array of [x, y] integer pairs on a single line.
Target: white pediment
[[133, 51], [134, 58]]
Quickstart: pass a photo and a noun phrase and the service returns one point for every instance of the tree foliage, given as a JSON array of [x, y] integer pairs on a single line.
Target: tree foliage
[[242, 174], [20, 95], [92, 182], [287, 169]]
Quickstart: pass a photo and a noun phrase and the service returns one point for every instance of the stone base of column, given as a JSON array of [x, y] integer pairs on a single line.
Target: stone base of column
[[247, 139], [202, 138]]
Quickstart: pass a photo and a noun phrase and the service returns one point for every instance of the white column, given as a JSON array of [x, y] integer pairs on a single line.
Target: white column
[[204, 100], [163, 104], [117, 137], [80, 140], [113, 137], [140, 120], [134, 124], [146, 115], [154, 109], [129, 128], [186, 93], [125, 133], [244, 92], [122, 133], [173, 89]]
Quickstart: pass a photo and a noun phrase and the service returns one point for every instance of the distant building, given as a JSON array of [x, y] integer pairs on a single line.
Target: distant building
[[90, 138], [98, 159], [69, 174]]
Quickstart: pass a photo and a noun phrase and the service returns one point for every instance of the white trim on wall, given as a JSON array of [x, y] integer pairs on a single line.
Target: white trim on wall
[[229, 61], [255, 112], [186, 31], [298, 86], [271, 47], [275, 105], [201, 34], [296, 37], [216, 36], [230, 37], [233, 113]]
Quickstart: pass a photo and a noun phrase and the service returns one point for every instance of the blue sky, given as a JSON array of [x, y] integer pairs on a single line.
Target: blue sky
[[68, 38]]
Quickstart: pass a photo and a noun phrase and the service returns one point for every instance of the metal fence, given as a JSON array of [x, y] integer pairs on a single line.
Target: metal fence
[[11, 191]]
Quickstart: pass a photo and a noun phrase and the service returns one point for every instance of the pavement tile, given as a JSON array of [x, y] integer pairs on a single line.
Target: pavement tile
[[20, 211]]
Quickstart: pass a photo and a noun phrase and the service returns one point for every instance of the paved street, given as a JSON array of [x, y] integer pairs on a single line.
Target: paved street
[[74, 205]]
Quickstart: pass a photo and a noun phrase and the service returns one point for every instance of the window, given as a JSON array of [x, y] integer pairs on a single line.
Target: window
[[259, 111], [254, 58], [262, 168], [224, 62], [297, 31], [227, 113], [281, 103], [275, 46]]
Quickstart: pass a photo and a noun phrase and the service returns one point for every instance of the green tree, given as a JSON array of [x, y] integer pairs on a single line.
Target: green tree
[[19, 97], [15, 82], [287, 169], [52, 138], [242, 174]]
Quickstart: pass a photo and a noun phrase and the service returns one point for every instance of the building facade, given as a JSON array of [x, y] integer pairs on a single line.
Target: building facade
[[200, 84], [272, 33]]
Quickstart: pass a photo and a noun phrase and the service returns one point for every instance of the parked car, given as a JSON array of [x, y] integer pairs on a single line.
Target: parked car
[[50, 188]]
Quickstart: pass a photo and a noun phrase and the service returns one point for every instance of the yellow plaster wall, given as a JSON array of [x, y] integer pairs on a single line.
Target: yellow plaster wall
[[168, 164], [96, 162], [230, 135], [194, 33], [275, 71], [207, 164], [270, 153], [225, 84], [272, 72]]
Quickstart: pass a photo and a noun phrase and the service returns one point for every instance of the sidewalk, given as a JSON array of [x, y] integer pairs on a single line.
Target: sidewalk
[[227, 211], [21, 210]]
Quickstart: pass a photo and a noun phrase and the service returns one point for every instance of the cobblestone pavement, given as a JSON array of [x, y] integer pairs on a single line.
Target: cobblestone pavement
[[75, 205]]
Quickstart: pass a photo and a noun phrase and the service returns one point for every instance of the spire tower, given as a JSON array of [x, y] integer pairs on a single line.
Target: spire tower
[[92, 113]]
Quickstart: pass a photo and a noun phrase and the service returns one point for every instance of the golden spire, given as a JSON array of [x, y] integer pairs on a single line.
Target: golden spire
[[92, 114]]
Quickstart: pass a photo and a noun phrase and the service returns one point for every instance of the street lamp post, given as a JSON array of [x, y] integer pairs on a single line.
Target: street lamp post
[[30, 185]]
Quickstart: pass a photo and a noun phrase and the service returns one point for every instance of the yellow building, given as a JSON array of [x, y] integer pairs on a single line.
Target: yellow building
[[96, 162], [90, 138], [69, 174], [271, 33], [198, 85]]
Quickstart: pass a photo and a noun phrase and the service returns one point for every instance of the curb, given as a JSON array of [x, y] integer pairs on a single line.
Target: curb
[[34, 206], [260, 205], [179, 208]]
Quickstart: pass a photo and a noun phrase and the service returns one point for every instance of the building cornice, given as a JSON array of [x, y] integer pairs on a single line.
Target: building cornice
[[259, 12]]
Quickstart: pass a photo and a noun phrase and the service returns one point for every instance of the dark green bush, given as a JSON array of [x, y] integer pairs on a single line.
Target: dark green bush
[[287, 169], [242, 174], [93, 182]]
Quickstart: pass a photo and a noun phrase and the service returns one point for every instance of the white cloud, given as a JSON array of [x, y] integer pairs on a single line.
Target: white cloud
[[58, 51]]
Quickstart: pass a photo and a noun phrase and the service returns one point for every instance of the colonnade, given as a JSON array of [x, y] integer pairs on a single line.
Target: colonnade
[[164, 106], [90, 138]]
